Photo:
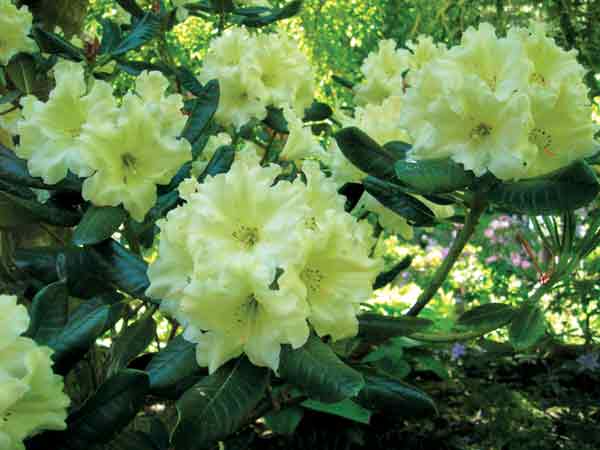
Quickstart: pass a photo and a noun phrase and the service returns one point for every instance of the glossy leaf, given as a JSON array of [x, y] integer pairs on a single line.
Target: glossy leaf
[[487, 316], [378, 328], [527, 327], [56, 45], [133, 340], [109, 410], [384, 278], [395, 398], [433, 176], [319, 371], [146, 29], [347, 409], [218, 405], [393, 198], [565, 190], [98, 224], [203, 110], [173, 364], [289, 10], [366, 154], [49, 312]]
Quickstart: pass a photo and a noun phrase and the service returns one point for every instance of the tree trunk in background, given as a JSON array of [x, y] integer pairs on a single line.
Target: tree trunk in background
[[67, 14]]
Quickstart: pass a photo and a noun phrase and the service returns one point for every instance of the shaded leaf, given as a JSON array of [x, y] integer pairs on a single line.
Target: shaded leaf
[[488, 316], [203, 110], [173, 364], [146, 29], [564, 190], [109, 410], [347, 409], [433, 176], [289, 10], [132, 341], [384, 278], [317, 111], [54, 44], [395, 398], [319, 371], [284, 421], [218, 405], [527, 327], [98, 224], [49, 312], [377, 328], [368, 155]]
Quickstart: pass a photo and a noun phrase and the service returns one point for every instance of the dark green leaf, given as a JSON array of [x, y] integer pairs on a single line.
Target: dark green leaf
[[146, 29], [488, 316], [109, 410], [37, 262], [98, 224], [218, 405], [45, 212], [319, 371], [111, 36], [205, 106], [284, 421], [132, 341], [384, 278], [85, 325], [343, 82], [527, 327], [317, 111], [222, 6], [135, 68], [134, 440], [565, 190], [49, 312], [173, 364], [395, 398], [189, 81], [289, 10], [81, 271], [346, 409], [219, 163], [276, 120], [393, 198], [368, 155], [377, 328], [433, 176], [124, 269], [56, 45]]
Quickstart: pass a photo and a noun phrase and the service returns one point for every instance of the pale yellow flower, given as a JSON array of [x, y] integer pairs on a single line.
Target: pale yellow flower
[[243, 313], [300, 143], [138, 150], [16, 26], [31, 395], [50, 132]]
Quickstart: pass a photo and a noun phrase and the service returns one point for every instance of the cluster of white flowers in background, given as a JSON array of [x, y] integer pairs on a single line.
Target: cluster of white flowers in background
[[246, 264], [256, 71], [31, 395], [122, 151], [15, 25], [515, 106]]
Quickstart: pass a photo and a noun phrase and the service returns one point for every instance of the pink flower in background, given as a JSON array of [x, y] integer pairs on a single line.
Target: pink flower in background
[[515, 258], [444, 251], [489, 233], [525, 264], [491, 259]]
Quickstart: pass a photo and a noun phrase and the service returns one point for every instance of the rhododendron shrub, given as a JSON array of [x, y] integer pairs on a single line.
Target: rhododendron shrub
[[214, 236]]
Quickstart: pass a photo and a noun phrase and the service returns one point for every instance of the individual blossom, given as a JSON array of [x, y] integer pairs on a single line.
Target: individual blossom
[[51, 132], [474, 128], [458, 351], [31, 395], [501, 63], [423, 52], [383, 73], [561, 132], [300, 142], [338, 275], [16, 26], [137, 150], [241, 312]]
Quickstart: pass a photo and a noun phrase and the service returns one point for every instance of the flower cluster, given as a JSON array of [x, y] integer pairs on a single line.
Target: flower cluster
[[515, 106], [16, 26], [122, 151], [250, 260], [256, 71], [31, 395]]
